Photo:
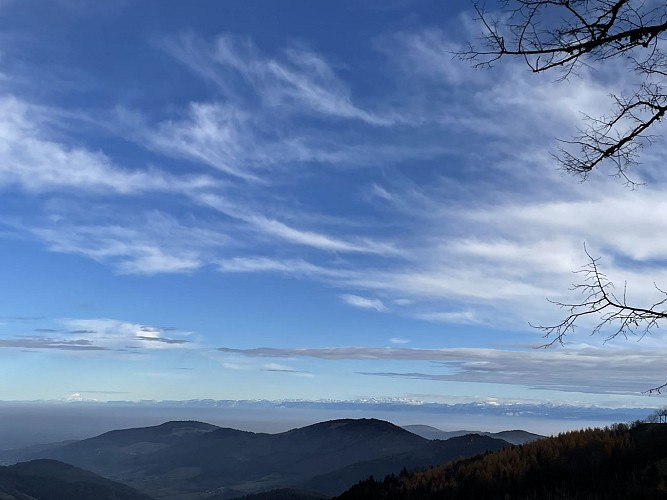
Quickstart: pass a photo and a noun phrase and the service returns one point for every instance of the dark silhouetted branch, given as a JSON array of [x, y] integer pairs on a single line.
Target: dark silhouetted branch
[[560, 35], [611, 313]]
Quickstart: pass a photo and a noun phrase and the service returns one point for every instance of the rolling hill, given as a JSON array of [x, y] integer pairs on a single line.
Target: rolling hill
[[53, 480], [196, 460]]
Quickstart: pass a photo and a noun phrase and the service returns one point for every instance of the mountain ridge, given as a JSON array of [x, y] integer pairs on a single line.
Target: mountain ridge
[[514, 436], [191, 458]]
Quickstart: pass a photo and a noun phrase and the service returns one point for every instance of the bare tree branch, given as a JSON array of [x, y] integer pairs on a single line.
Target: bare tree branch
[[561, 35], [612, 314]]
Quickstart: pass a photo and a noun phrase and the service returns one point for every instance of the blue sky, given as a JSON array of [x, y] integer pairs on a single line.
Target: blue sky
[[240, 200]]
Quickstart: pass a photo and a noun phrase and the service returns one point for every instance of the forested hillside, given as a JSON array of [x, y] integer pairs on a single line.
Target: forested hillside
[[621, 462]]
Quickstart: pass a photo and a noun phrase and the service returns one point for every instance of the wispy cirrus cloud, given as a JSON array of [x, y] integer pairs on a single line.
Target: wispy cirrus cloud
[[363, 302], [428, 55], [293, 267], [500, 267], [319, 240], [280, 230], [154, 243], [449, 317], [399, 340], [507, 255], [468, 245], [398, 179], [31, 160], [298, 80], [259, 118], [217, 135]]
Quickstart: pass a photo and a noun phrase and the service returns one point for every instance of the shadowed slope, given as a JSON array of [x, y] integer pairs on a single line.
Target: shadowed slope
[[50, 479]]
